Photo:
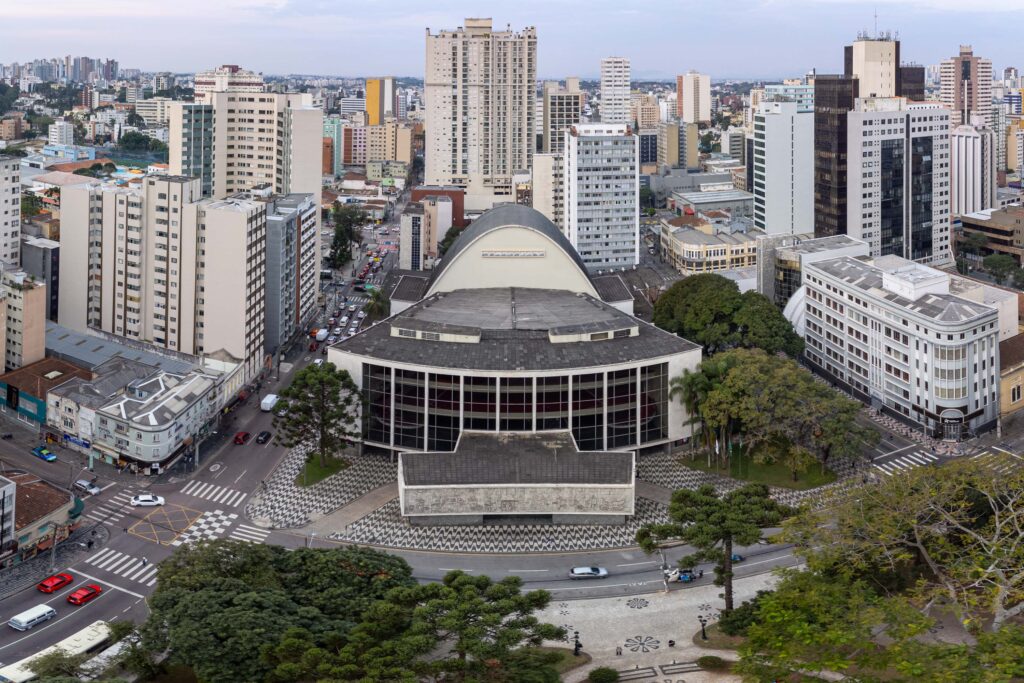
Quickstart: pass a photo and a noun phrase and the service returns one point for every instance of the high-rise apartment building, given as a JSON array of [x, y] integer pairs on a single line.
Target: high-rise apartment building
[[602, 194], [61, 132], [973, 159], [25, 306], [389, 141], [645, 112], [10, 210], [547, 180], [615, 79], [380, 100], [678, 145], [898, 175], [783, 168], [802, 94], [693, 97], [160, 264], [226, 78], [480, 92], [236, 141], [563, 107], [966, 82]]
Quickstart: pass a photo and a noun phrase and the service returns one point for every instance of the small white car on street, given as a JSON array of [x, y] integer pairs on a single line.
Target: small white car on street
[[146, 500], [588, 573]]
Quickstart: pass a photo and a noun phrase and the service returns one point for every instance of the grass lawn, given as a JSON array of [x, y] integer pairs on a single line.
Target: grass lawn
[[313, 473], [568, 661], [718, 640], [742, 466]]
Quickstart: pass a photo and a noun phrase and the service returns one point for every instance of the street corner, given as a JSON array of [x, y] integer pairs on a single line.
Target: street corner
[[164, 524]]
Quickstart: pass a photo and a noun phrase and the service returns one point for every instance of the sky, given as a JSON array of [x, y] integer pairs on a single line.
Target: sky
[[758, 39]]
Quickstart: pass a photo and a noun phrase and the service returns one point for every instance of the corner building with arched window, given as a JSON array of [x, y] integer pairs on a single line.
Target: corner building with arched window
[[490, 362]]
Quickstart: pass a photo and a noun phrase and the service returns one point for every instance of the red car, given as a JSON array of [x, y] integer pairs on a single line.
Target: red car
[[54, 583], [242, 437], [84, 594]]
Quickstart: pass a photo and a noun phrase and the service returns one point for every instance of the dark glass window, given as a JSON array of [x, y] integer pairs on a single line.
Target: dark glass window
[[516, 404], [480, 403], [588, 411], [552, 403], [621, 408], [653, 403], [409, 402], [377, 413], [444, 397]]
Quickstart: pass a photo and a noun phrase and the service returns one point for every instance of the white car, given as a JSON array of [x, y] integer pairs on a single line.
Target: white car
[[146, 500], [588, 573]]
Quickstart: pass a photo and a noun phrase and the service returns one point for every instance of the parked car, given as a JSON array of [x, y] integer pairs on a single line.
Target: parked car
[[54, 583], [737, 558], [44, 453], [588, 573], [242, 438], [86, 486], [146, 500], [85, 594], [682, 575], [318, 362], [263, 437]]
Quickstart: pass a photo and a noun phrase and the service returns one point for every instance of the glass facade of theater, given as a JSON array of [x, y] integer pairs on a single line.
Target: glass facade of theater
[[618, 408]]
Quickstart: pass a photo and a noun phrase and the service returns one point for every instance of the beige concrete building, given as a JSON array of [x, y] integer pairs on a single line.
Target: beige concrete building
[[678, 145], [548, 191], [1011, 375], [10, 210], [693, 97], [226, 78], [695, 244], [160, 264], [966, 82], [25, 302], [876, 64], [563, 107], [155, 111], [389, 141], [480, 93], [645, 112]]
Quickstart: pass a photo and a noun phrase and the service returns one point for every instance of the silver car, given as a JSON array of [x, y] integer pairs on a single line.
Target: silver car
[[588, 573], [146, 500]]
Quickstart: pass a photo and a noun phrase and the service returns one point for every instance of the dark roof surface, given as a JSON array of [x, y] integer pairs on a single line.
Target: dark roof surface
[[502, 216], [611, 288], [1011, 351], [409, 287], [510, 458]]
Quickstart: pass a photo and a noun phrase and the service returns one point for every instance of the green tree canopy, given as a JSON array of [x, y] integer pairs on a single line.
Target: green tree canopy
[[321, 404], [379, 305], [348, 219], [974, 242], [713, 524], [1000, 265], [709, 310], [219, 605]]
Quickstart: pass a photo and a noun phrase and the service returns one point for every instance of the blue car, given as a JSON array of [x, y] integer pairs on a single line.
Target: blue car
[[44, 453]]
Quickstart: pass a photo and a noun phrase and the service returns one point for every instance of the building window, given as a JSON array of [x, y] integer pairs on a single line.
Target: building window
[[516, 404], [1015, 394], [588, 411]]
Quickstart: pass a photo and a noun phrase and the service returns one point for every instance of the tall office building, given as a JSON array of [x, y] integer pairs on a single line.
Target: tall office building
[[160, 264], [61, 132], [615, 79], [239, 140], [973, 159], [693, 97], [563, 107], [380, 100], [602, 194], [10, 210], [226, 78], [898, 178], [783, 168], [480, 92], [801, 93], [966, 82], [871, 69]]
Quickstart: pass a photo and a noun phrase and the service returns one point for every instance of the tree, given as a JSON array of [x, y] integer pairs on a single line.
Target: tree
[[58, 664], [1000, 265], [646, 197], [1017, 278], [348, 218], [953, 535], [379, 305], [700, 308], [974, 243], [449, 238], [31, 205], [713, 524], [466, 628], [761, 325], [321, 404], [135, 119], [219, 605]]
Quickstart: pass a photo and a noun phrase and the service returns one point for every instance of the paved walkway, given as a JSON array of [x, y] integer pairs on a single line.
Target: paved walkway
[[342, 518], [69, 551], [640, 627]]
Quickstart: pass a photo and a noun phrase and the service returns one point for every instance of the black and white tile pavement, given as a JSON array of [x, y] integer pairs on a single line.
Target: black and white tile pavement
[[282, 504], [385, 526]]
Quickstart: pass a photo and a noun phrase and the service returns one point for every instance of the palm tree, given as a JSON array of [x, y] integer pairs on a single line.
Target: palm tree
[[379, 305]]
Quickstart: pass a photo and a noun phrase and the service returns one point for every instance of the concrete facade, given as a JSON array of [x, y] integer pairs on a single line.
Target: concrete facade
[[972, 168], [783, 182], [10, 210], [615, 80], [40, 258], [26, 307], [693, 97]]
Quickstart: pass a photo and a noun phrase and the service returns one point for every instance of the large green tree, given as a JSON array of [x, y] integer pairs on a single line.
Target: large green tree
[[1000, 265], [348, 219], [379, 305], [219, 605], [466, 628], [714, 524], [320, 405]]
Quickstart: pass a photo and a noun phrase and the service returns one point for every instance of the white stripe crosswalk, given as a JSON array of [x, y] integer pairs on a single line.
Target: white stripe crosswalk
[[1001, 463], [113, 510], [214, 493], [252, 534], [125, 566], [906, 462]]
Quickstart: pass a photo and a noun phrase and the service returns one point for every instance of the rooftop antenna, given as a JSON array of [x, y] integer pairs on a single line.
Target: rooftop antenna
[[876, 22]]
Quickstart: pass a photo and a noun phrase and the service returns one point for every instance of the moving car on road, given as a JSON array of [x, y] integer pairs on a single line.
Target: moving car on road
[[85, 594], [146, 500], [263, 437], [44, 453], [241, 438], [588, 573], [54, 583], [87, 486]]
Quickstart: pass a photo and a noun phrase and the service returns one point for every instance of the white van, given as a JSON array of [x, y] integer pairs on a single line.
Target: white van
[[268, 402], [31, 617]]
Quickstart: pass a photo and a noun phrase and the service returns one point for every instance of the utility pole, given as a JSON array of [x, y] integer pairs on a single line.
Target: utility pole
[[53, 547]]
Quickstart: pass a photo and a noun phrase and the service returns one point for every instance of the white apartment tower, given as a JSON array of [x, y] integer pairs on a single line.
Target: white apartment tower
[[898, 178], [602, 194], [160, 264], [480, 100], [226, 78], [783, 180], [10, 210], [615, 79], [562, 108], [966, 86], [61, 133], [973, 168], [693, 97]]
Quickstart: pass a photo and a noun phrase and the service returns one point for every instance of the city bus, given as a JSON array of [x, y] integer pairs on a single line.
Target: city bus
[[89, 639]]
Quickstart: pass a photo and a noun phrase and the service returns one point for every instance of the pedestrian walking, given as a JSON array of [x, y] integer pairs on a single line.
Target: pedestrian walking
[[144, 562]]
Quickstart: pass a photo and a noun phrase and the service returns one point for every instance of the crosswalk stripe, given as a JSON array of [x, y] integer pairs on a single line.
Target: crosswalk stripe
[[220, 494], [199, 491], [96, 558], [112, 568], [254, 529], [919, 459], [241, 535], [112, 558], [189, 486], [235, 500], [145, 576], [124, 569]]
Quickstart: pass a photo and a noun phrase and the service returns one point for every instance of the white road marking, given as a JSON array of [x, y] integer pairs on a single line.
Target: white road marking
[[634, 564], [104, 581], [523, 571], [241, 475]]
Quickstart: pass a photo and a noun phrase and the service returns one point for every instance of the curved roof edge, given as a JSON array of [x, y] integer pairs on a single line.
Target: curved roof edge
[[502, 216]]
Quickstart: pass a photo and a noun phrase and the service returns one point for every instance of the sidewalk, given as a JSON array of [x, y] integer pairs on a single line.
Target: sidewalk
[[69, 551], [642, 626], [340, 519]]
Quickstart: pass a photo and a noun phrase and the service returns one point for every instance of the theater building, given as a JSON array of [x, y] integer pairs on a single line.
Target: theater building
[[530, 374]]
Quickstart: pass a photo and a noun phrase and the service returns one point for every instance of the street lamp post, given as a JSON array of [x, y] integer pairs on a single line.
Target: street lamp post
[[703, 630]]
